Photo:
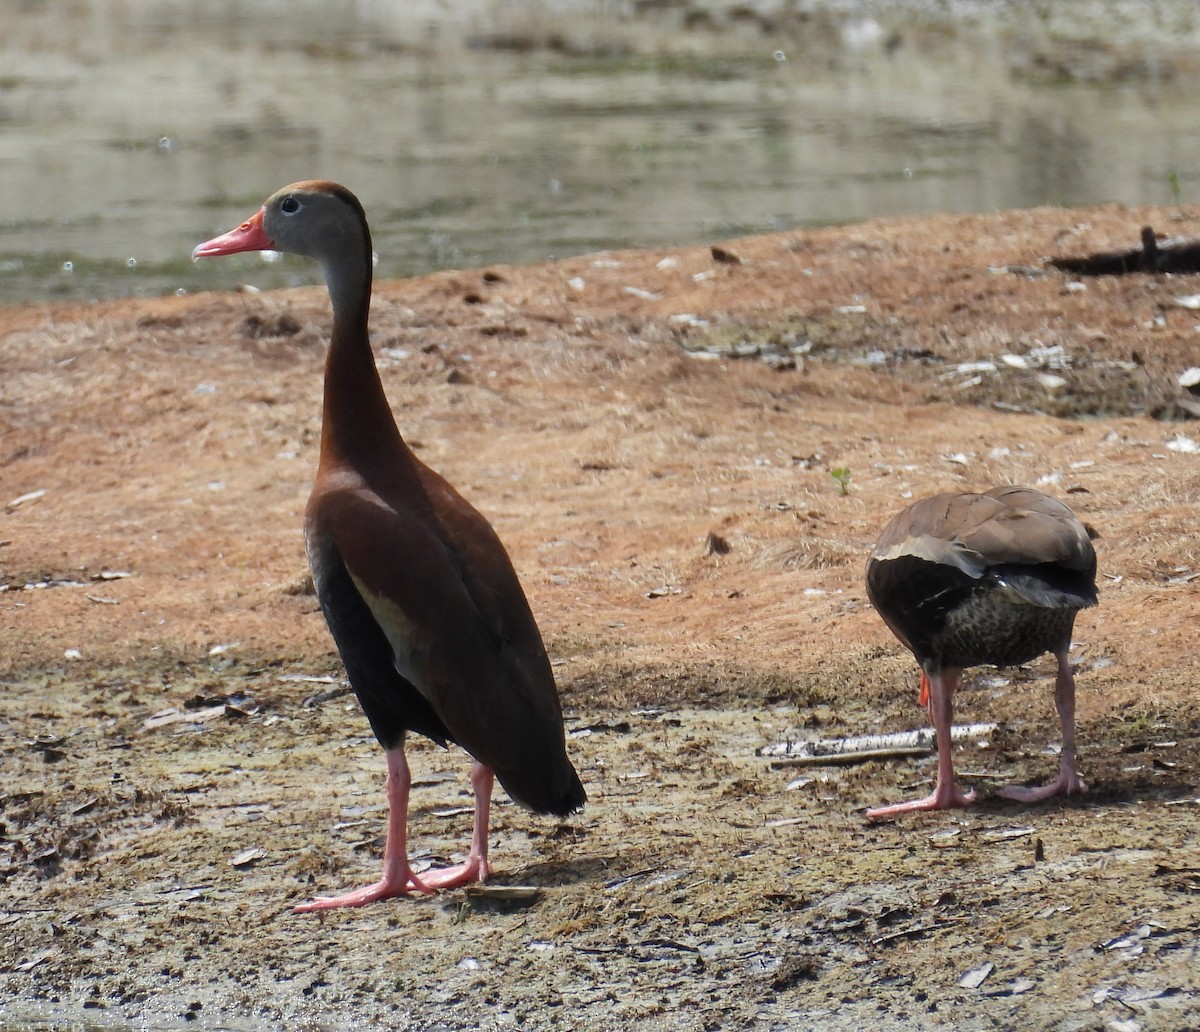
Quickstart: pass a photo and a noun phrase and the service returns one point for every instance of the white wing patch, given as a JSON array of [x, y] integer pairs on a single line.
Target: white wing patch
[[935, 550]]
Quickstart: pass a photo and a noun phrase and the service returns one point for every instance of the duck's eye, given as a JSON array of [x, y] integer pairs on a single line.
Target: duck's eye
[[289, 206]]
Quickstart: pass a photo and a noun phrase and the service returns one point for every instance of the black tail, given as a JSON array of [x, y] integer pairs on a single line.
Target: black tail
[[1050, 585], [555, 791]]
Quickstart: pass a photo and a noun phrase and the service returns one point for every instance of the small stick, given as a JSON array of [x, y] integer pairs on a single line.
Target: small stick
[[867, 747]]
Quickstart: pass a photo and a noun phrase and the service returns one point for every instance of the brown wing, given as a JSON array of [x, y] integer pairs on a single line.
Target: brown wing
[[1004, 526], [441, 589], [942, 550]]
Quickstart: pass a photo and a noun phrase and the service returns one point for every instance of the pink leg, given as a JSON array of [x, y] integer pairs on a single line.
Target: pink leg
[[398, 877], [476, 868], [1068, 781], [946, 794]]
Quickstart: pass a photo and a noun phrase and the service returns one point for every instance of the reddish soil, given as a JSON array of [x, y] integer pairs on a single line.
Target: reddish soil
[[614, 416]]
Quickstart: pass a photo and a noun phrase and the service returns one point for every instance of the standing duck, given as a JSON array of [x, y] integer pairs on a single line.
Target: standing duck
[[418, 592], [998, 577]]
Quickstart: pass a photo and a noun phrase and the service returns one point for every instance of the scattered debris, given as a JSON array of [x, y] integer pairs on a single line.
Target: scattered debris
[[792, 970], [715, 544], [1171, 255], [1006, 834], [333, 693], [622, 727], [1133, 941]]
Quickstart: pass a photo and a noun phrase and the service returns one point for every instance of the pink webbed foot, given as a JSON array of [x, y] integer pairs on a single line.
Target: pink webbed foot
[[938, 800], [1068, 783], [474, 870], [383, 889], [476, 867]]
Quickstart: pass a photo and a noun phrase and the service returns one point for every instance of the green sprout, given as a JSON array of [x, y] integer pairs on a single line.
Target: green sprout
[[842, 476]]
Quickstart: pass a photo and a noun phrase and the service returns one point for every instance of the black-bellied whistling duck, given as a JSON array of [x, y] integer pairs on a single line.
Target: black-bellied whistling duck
[[419, 593], [997, 577]]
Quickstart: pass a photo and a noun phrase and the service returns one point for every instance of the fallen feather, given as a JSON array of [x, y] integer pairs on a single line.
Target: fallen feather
[[247, 857], [974, 978], [175, 716], [1183, 444], [32, 496]]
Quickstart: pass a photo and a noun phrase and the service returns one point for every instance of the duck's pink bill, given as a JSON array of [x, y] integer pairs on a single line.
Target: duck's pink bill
[[249, 236]]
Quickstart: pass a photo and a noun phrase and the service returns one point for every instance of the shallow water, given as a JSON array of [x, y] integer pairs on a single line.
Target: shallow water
[[514, 132]]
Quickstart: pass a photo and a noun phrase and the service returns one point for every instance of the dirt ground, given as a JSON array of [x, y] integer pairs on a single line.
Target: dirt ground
[[653, 435]]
